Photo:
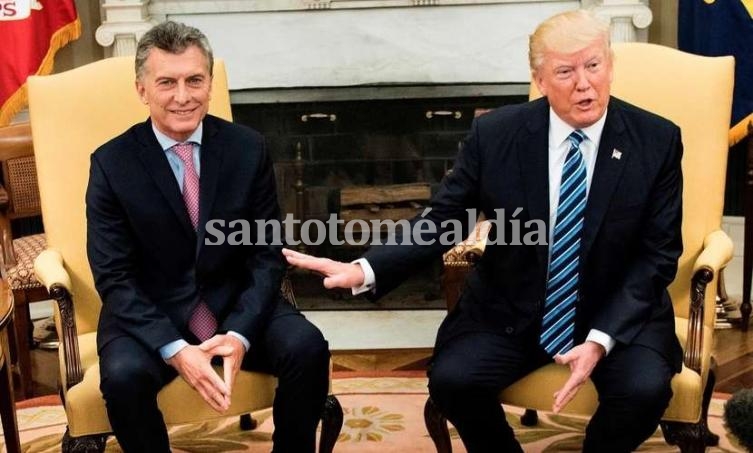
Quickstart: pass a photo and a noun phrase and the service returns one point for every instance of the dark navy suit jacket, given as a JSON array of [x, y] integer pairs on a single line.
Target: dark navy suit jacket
[[631, 239], [150, 267]]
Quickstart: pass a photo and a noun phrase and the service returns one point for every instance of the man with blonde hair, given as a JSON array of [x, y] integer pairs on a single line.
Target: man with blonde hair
[[606, 177]]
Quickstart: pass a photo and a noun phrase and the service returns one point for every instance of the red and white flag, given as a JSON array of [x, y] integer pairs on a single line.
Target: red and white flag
[[31, 32]]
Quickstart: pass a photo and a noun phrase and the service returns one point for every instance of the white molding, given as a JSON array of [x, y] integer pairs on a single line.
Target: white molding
[[325, 43], [124, 36], [627, 18], [167, 7], [124, 23], [468, 44]]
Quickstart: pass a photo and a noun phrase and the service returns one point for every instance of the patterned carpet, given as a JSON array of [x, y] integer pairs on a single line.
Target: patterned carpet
[[382, 414]]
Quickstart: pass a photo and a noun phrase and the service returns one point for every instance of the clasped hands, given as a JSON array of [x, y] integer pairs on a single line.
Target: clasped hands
[[193, 363]]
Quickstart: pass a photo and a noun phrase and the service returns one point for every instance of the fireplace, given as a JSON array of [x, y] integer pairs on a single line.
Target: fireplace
[[363, 92], [321, 149]]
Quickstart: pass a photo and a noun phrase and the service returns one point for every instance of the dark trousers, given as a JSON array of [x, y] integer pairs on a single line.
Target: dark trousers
[[292, 349], [468, 372]]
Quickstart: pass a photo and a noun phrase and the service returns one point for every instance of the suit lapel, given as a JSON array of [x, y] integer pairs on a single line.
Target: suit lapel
[[211, 160], [153, 158], [613, 153], [533, 154]]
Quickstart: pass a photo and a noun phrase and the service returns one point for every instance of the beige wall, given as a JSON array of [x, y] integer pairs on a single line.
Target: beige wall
[[85, 49], [663, 29]]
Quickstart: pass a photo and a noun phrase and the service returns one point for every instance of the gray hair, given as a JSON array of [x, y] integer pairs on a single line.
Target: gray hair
[[172, 37]]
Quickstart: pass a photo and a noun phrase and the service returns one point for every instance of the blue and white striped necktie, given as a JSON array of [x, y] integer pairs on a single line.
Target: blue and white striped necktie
[[562, 284]]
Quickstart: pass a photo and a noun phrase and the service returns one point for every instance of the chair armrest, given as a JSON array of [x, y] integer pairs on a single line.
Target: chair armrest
[[458, 261], [50, 271], [717, 252], [741, 130], [48, 267], [6, 235], [471, 249], [286, 289], [4, 198]]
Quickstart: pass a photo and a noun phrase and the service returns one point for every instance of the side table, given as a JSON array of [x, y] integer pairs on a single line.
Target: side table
[[7, 403], [745, 305]]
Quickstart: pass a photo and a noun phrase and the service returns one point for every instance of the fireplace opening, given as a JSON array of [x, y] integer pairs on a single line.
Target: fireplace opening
[[330, 151]]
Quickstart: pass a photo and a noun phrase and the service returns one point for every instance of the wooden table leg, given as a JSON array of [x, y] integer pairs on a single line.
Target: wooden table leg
[[745, 306], [21, 319], [7, 404], [747, 260], [24, 335]]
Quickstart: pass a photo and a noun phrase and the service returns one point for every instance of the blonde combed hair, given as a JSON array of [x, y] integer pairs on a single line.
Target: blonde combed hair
[[566, 32]]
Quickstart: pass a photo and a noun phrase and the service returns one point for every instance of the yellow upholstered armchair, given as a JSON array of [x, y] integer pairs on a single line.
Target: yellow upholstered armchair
[[743, 131], [696, 93], [72, 113]]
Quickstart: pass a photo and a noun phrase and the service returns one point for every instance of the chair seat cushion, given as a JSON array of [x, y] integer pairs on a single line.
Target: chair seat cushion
[[536, 390], [21, 276], [87, 415]]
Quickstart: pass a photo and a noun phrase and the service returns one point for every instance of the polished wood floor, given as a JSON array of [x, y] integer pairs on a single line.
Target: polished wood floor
[[733, 351]]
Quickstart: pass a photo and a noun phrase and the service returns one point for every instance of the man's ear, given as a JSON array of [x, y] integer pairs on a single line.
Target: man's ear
[[141, 91], [539, 81]]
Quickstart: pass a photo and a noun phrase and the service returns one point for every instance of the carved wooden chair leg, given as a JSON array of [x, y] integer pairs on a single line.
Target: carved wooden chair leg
[[694, 437], [529, 418], [332, 423], [687, 436], [436, 424], [84, 444], [709, 438], [247, 422]]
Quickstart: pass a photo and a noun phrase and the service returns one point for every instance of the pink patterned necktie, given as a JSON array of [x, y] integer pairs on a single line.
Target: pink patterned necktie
[[190, 181], [202, 322]]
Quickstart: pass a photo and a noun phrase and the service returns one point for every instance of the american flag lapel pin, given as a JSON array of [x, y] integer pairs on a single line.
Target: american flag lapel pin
[[616, 154]]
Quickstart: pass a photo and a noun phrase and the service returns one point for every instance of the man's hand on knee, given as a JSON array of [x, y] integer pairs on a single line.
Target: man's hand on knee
[[194, 366], [232, 352], [582, 360]]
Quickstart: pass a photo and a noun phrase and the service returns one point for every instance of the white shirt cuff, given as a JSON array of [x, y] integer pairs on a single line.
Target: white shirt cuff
[[369, 279], [246, 343], [597, 336], [169, 350]]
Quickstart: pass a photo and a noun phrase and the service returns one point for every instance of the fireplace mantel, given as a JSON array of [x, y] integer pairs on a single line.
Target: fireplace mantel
[[167, 7], [313, 44]]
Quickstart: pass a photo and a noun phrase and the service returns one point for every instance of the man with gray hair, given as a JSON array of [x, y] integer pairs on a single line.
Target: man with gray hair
[[606, 177], [171, 304]]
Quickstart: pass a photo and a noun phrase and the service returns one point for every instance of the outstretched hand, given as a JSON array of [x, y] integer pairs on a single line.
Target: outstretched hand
[[582, 360], [336, 274]]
